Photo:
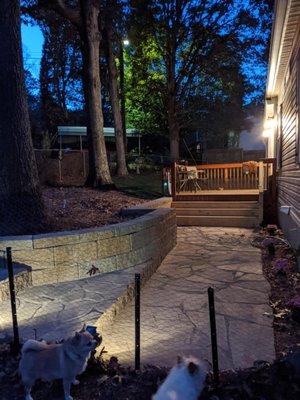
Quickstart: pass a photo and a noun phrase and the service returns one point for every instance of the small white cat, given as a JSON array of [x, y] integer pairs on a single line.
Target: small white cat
[[185, 381]]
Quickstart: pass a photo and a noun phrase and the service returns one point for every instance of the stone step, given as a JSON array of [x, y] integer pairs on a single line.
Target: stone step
[[215, 204], [220, 220], [246, 212]]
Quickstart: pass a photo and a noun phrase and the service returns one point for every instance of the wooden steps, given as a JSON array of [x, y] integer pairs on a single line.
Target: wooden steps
[[243, 214], [217, 197]]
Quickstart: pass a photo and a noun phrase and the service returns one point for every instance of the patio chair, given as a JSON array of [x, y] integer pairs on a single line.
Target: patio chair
[[190, 179]]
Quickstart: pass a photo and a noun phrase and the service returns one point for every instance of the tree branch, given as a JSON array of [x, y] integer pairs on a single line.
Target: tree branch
[[71, 14]]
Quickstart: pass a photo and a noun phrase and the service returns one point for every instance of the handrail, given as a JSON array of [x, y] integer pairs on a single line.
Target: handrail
[[213, 166], [230, 176]]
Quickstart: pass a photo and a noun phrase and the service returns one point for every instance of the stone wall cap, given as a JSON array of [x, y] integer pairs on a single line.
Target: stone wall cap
[[12, 238]]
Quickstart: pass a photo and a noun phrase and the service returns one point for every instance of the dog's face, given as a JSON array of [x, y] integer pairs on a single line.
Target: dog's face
[[84, 342]]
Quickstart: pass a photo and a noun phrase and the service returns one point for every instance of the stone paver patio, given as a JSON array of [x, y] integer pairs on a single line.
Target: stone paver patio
[[174, 307], [174, 303], [56, 311]]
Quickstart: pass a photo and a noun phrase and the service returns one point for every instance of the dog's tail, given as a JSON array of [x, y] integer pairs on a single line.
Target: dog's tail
[[33, 345]]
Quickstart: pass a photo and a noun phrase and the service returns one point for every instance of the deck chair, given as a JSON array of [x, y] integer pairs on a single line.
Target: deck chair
[[191, 179]]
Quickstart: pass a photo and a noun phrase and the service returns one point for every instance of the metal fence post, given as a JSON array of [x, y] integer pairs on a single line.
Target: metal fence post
[[137, 321], [16, 342], [213, 334]]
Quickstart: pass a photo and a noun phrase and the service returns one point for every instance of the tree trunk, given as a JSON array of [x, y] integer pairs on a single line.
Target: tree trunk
[[174, 129], [115, 102], [122, 93], [90, 179], [21, 208], [174, 144], [174, 132], [91, 42]]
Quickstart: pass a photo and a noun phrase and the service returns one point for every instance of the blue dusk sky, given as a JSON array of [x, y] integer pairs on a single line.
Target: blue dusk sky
[[32, 40]]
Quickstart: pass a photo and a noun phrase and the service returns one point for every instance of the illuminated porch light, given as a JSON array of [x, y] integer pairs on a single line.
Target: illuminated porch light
[[267, 133], [270, 124], [126, 42]]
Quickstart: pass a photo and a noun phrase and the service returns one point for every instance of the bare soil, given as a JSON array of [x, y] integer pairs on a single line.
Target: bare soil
[[111, 381], [280, 269], [78, 208]]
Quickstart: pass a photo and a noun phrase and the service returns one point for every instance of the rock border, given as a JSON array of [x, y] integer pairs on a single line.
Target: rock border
[[71, 255]]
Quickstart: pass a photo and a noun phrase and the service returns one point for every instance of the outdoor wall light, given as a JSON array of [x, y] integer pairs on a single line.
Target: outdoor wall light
[[267, 133], [126, 42], [270, 125]]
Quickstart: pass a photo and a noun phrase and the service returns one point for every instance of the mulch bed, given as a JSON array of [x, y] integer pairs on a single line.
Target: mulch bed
[[78, 208], [111, 381], [279, 267]]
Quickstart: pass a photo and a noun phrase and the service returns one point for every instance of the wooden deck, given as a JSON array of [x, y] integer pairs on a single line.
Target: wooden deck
[[219, 193]]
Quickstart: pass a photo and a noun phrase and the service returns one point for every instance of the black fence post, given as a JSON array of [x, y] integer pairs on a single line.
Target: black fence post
[[137, 321], [213, 334], [16, 342]]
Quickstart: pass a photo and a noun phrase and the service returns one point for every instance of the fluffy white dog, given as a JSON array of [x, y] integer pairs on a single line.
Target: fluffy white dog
[[55, 361], [185, 381]]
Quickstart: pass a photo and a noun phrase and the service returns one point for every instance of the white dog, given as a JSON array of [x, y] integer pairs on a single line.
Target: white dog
[[55, 361], [185, 381]]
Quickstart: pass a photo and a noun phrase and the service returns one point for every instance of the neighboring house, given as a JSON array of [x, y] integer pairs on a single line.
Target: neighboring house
[[282, 114]]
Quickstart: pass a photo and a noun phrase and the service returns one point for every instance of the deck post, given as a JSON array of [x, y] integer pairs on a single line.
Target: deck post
[[261, 176], [173, 181], [261, 180], [260, 207]]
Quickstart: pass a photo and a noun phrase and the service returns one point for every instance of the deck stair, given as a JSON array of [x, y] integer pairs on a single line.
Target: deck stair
[[242, 214]]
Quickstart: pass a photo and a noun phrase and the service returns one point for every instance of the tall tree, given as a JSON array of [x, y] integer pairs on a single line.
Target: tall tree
[[190, 37], [112, 8], [85, 15], [21, 208], [60, 73], [144, 78]]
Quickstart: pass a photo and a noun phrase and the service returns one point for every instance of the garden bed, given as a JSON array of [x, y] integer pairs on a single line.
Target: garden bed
[[280, 269], [111, 381], [78, 208]]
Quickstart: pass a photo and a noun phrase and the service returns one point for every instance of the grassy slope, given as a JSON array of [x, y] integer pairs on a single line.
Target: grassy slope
[[146, 185]]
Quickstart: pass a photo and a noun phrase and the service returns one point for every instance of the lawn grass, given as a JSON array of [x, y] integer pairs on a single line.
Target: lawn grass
[[146, 185]]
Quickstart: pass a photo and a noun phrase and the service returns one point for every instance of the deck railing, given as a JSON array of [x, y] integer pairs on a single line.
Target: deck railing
[[235, 176]]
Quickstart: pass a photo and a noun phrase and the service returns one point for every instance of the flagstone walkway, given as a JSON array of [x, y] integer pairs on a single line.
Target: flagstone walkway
[[174, 307]]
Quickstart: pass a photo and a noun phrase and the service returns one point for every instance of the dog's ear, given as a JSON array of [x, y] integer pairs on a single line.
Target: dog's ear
[[179, 360], [83, 329], [192, 368]]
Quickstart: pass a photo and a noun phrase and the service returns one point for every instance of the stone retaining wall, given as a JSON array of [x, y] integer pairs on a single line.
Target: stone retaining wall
[[65, 256], [162, 202], [22, 281]]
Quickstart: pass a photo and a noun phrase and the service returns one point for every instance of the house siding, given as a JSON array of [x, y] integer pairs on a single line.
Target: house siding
[[289, 171]]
